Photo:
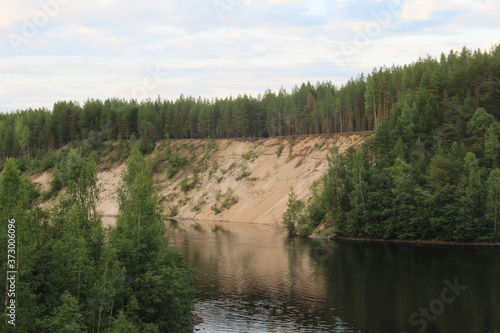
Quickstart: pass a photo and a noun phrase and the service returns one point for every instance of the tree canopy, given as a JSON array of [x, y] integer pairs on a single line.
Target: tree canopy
[[431, 169], [360, 104]]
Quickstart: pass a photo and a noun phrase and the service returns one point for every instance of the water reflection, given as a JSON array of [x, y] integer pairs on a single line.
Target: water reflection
[[252, 279]]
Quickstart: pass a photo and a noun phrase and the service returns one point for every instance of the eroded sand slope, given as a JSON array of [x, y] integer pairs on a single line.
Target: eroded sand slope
[[262, 195]]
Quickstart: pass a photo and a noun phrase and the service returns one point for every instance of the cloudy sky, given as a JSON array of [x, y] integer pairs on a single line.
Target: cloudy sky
[[54, 50]]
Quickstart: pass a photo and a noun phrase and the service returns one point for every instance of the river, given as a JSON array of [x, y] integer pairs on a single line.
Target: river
[[253, 279]]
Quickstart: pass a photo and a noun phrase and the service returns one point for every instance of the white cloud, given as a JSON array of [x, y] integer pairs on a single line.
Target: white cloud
[[417, 10], [102, 48], [284, 2], [106, 2], [8, 14], [80, 30]]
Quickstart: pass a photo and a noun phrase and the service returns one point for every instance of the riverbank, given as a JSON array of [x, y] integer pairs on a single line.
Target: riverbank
[[407, 241], [242, 180]]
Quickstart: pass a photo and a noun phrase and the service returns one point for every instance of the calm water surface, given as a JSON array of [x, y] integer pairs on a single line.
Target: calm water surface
[[253, 279]]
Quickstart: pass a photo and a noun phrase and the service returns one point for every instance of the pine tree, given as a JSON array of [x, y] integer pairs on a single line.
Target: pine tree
[[491, 143], [293, 214], [67, 318], [493, 201], [157, 279]]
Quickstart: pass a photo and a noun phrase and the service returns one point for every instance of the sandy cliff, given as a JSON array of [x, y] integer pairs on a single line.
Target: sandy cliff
[[262, 194]]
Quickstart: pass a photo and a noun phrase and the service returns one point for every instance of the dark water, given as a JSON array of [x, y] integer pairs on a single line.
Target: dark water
[[252, 279]]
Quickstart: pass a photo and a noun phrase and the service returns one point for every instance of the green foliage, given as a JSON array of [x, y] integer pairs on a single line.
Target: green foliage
[[491, 143], [480, 122], [125, 279], [225, 201], [244, 171], [159, 280], [215, 167], [493, 200], [249, 155], [12, 188], [67, 317], [146, 146], [95, 139], [175, 161], [293, 216], [216, 209], [188, 184], [280, 150], [122, 325], [429, 170], [229, 199], [173, 211], [425, 94]]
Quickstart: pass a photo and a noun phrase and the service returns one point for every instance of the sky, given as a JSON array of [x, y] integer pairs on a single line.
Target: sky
[[52, 50]]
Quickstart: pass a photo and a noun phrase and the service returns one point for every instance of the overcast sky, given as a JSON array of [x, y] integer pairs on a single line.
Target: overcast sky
[[54, 50]]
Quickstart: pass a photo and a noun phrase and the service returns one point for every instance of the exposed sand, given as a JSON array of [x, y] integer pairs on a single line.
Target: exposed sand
[[264, 193], [42, 180], [262, 196], [108, 182]]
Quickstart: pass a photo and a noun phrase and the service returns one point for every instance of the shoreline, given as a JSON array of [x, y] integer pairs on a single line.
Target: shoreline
[[414, 242], [353, 239]]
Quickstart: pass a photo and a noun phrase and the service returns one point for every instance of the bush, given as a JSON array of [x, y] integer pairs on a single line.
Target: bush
[[32, 192], [22, 164], [175, 162], [216, 209], [48, 160], [293, 216], [55, 186], [244, 171], [228, 199], [95, 139], [171, 171], [280, 150], [46, 195], [250, 155], [187, 185], [146, 146], [173, 211]]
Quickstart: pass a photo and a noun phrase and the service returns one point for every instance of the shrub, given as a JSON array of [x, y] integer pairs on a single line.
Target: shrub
[[228, 199], [293, 216], [250, 155], [244, 171], [216, 209], [173, 211], [280, 150]]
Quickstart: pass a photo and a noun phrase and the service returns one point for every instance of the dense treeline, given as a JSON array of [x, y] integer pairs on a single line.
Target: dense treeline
[[358, 105], [75, 276], [431, 171]]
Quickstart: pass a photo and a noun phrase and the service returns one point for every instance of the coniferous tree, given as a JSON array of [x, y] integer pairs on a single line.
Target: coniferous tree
[[157, 280]]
